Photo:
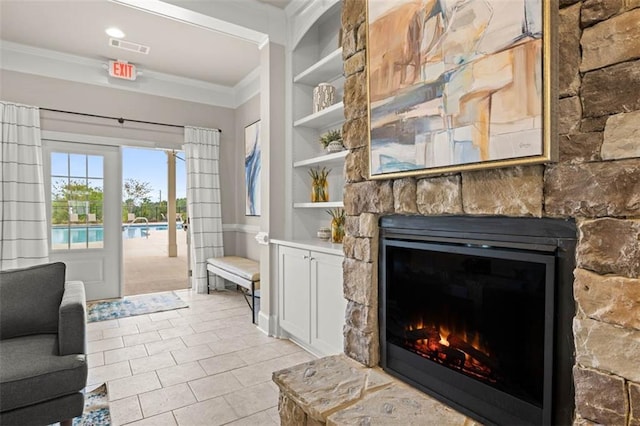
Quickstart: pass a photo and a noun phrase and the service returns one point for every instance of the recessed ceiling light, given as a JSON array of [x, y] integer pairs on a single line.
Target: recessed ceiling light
[[114, 32]]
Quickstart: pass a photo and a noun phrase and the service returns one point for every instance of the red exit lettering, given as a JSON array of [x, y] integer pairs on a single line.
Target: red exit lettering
[[122, 70]]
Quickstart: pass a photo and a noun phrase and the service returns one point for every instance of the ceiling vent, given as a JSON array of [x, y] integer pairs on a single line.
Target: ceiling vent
[[130, 46]]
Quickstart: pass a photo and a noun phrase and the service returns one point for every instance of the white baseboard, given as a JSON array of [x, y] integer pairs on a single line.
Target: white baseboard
[[268, 324]]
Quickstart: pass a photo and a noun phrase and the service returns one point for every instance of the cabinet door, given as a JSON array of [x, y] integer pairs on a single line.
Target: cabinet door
[[293, 280], [327, 303]]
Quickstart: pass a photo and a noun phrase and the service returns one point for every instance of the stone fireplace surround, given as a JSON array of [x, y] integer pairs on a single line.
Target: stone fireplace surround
[[596, 181]]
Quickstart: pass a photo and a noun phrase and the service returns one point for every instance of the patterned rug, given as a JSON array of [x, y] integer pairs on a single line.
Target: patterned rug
[[133, 305], [96, 408]]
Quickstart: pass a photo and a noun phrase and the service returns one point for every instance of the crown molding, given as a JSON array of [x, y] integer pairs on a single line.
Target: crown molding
[[48, 63], [192, 17], [247, 88], [261, 20], [263, 44]]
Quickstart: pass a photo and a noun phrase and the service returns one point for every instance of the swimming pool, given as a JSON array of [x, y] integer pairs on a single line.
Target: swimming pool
[[95, 233]]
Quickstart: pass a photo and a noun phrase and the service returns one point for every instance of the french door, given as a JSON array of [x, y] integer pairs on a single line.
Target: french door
[[84, 211]]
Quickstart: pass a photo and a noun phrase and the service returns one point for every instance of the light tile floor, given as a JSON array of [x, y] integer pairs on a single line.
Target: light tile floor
[[202, 365]]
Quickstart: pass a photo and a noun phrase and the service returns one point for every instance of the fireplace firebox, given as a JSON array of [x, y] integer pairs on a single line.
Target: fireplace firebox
[[477, 311]]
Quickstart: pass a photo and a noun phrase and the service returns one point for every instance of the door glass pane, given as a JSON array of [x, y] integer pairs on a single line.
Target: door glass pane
[[59, 164], [76, 201], [95, 198], [59, 214], [77, 165], [94, 164]]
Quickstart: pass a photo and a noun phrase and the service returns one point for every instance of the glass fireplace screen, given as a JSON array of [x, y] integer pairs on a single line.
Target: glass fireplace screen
[[479, 311]]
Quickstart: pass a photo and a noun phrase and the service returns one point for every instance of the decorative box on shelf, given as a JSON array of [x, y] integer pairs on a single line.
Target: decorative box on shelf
[[324, 95]]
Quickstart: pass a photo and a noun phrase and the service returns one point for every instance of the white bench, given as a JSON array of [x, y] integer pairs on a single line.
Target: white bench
[[240, 271]]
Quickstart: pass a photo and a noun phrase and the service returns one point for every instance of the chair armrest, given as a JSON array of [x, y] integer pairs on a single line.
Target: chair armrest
[[72, 320]]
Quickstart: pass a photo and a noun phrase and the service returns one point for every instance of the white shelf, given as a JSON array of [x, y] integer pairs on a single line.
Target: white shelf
[[326, 69], [326, 205], [321, 119], [333, 158]]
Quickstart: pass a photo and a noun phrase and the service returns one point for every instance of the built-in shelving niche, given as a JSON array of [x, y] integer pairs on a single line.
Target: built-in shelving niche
[[317, 58]]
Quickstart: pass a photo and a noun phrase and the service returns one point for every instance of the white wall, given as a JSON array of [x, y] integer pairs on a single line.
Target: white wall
[[246, 245]]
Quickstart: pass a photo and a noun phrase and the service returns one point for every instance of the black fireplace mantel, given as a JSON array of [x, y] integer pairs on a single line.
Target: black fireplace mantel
[[548, 242]]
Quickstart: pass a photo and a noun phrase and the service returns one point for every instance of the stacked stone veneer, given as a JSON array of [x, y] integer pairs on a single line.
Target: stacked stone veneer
[[596, 181]]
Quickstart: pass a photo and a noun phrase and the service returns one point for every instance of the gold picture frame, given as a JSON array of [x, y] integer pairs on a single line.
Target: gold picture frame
[[459, 85]]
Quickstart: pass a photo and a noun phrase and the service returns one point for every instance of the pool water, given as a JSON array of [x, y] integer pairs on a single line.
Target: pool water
[[95, 233], [77, 235]]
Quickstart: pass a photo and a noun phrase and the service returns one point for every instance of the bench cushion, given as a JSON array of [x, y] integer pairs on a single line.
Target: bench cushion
[[245, 268]]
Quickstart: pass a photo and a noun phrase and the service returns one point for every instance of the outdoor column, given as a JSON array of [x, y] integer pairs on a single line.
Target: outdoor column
[[171, 204]]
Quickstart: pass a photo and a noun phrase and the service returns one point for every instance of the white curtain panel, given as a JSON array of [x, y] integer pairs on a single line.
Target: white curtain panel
[[202, 151], [23, 216]]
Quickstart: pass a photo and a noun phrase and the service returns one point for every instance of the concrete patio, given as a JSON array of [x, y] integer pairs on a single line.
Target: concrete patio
[[148, 267]]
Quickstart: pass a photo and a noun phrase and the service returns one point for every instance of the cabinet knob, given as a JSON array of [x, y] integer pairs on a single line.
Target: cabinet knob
[[312, 258], [305, 257]]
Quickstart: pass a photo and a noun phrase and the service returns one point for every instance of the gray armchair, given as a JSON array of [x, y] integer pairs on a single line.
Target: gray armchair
[[43, 363]]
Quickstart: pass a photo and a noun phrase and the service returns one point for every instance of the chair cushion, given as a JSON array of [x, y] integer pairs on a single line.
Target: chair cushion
[[31, 371], [30, 300], [245, 268]]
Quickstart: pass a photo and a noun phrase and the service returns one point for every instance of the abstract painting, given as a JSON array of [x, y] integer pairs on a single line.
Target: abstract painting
[[252, 165], [457, 85]]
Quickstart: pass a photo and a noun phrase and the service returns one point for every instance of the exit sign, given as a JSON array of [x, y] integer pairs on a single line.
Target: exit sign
[[122, 69]]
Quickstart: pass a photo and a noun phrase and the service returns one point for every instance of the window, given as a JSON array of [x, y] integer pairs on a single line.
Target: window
[[77, 186]]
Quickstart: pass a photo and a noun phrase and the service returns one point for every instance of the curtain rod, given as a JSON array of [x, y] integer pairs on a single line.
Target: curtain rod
[[119, 119]]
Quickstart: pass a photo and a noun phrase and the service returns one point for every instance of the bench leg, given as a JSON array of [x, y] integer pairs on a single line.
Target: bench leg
[[244, 294], [253, 302], [207, 280]]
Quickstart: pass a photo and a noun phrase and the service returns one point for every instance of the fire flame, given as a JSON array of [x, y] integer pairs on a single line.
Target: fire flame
[[446, 344], [444, 333]]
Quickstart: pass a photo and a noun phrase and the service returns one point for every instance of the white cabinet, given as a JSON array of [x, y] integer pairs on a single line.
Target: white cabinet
[[295, 291], [327, 303], [311, 305], [316, 57]]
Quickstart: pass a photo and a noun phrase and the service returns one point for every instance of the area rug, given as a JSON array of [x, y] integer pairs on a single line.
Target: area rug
[[133, 305], [96, 408]]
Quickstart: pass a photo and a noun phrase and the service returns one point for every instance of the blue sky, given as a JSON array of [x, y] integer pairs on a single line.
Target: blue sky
[[150, 165]]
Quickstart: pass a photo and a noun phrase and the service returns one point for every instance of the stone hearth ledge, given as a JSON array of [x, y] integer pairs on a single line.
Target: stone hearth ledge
[[337, 390]]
